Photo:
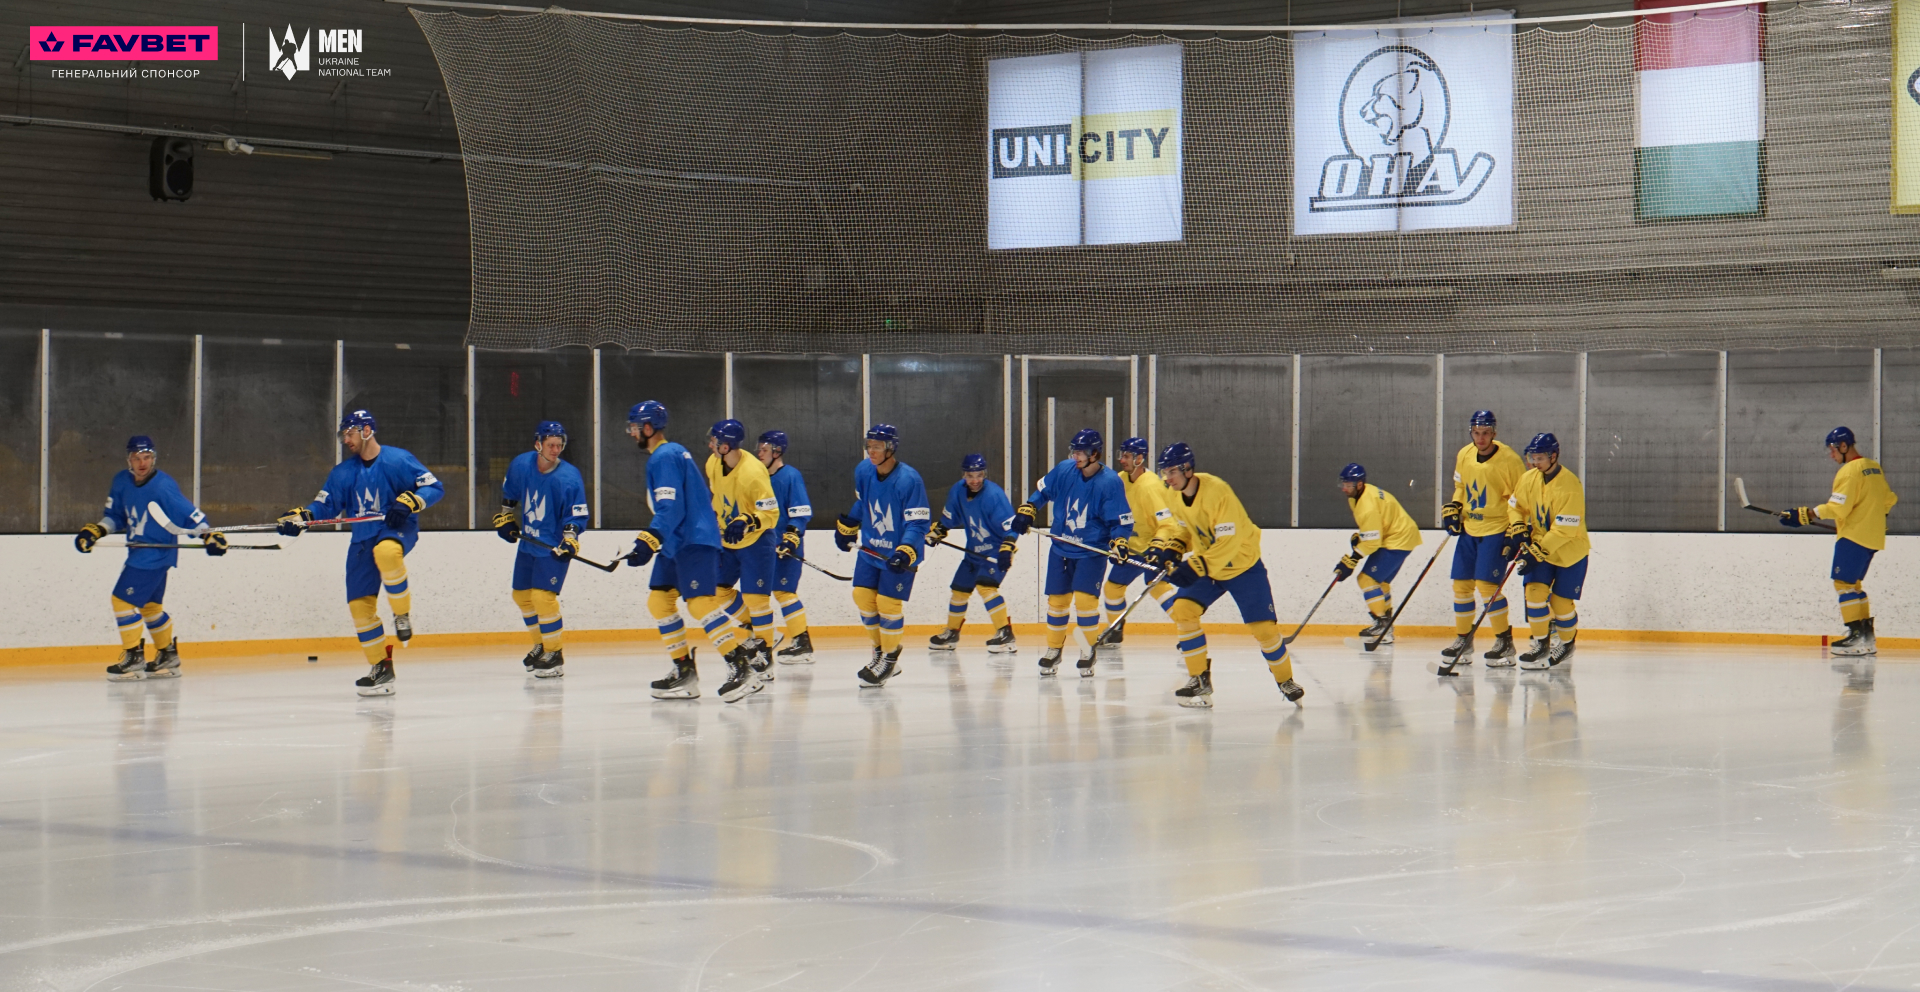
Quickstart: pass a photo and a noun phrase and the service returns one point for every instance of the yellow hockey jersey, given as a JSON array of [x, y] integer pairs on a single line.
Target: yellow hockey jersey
[[1556, 510], [1215, 528], [1482, 488], [745, 491], [1383, 522], [1152, 517], [1859, 504]]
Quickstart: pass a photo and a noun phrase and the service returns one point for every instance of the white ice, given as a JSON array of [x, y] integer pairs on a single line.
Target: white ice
[[1654, 818]]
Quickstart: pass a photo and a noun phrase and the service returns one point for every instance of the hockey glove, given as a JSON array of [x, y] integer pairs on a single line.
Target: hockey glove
[[1343, 569], [506, 523], [83, 541], [1188, 572], [1118, 551], [936, 533], [1799, 516], [215, 543], [789, 544], [902, 559], [1007, 548], [1515, 536], [1158, 557], [1450, 518], [1531, 554], [569, 543], [294, 522], [1023, 518], [1353, 539], [736, 531], [404, 505], [645, 544], [845, 530]]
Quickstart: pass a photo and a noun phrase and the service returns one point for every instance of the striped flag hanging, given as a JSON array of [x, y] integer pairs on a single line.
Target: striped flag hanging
[[1702, 102]]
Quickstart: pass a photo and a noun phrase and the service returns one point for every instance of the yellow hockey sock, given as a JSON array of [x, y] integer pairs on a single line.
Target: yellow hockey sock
[[996, 606], [1463, 605], [548, 605], [1273, 648], [1057, 607], [865, 601], [1497, 612], [760, 609], [1539, 617], [1192, 639], [1086, 607], [1853, 602], [159, 624], [529, 614], [793, 614], [1115, 596], [1566, 618], [893, 622], [366, 622], [664, 604], [957, 600], [714, 617], [392, 562], [1378, 595], [126, 616]]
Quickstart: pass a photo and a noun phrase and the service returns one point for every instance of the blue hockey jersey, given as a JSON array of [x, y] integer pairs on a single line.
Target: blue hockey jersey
[[155, 513], [791, 490], [549, 501], [1092, 511], [682, 504], [357, 488], [986, 515], [892, 511]]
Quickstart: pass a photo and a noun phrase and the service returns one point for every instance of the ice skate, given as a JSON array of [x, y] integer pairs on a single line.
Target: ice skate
[[1292, 691], [1536, 651], [1002, 641], [1859, 641], [1197, 693], [946, 640], [532, 658], [403, 626], [741, 681], [1377, 628], [1085, 664], [1050, 663], [550, 666], [378, 681], [1460, 651], [760, 659], [882, 668], [800, 652], [683, 682], [166, 662], [1502, 653], [131, 667]]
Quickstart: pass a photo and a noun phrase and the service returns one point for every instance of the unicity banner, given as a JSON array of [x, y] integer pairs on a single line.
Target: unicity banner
[[1084, 148], [1404, 128]]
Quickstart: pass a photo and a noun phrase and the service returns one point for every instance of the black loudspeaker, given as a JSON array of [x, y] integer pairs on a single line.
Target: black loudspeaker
[[170, 169]]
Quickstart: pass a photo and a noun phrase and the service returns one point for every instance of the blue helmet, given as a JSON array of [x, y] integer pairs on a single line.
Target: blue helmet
[[1543, 444], [1839, 435], [729, 432], [973, 463], [1179, 454], [139, 443], [777, 440], [884, 432], [651, 412], [1134, 446], [1482, 418], [1354, 472], [549, 428], [359, 418], [1087, 439]]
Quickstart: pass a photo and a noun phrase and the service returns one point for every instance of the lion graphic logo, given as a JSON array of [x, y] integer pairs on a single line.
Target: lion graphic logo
[[1395, 110]]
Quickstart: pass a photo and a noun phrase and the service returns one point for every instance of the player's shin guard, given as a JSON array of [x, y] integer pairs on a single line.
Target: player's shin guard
[[1566, 618], [127, 617], [547, 605], [1496, 607], [159, 624], [1273, 648], [957, 601], [1853, 602], [1163, 594], [392, 562], [1379, 595], [893, 622], [366, 622], [715, 618], [1086, 607], [1116, 599], [793, 614], [529, 614], [737, 608], [866, 601], [1463, 605], [1057, 607], [996, 605], [1192, 639], [760, 608], [1539, 617], [664, 604]]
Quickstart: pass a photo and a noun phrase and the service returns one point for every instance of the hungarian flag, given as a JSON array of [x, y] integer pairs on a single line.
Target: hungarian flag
[[1702, 111]]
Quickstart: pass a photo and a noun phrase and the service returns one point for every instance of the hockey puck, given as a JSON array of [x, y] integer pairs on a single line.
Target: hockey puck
[[312, 658]]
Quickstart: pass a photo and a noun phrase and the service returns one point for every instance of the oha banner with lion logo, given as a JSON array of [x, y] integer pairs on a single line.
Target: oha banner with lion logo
[[1404, 128], [1906, 107]]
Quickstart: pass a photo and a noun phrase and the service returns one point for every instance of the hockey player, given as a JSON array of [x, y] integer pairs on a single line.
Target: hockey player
[[1221, 546], [1090, 506], [1858, 508], [1548, 533], [145, 504], [748, 515], [555, 501], [683, 542], [889, 517], [983, 512], [389, 482], [795, 510], [1153, 531], [1385, 537], [1484, 474]]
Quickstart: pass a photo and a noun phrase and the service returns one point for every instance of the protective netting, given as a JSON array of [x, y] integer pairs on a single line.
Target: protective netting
[[698, 189]]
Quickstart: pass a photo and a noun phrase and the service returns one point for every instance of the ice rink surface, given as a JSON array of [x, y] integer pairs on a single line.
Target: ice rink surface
[[1653, 818]]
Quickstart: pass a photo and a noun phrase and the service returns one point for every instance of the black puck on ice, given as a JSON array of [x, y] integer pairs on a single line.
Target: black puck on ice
[[312, 658]]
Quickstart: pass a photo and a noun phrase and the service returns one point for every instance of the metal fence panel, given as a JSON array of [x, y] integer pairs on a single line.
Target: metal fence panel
[[106, 388], [946, 407], [1377, 411], [1238, 404], [1780, 406], [1900, 443], [1653, 445], [419, 397], [693, 387], [815, 399], [20, 434], [514, 392], [267, 429]]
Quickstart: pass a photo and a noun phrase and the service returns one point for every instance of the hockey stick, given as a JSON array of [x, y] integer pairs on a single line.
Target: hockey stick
[[606, 567], [1063, 539], [1740, 489], [195, 547], [1498, 591], [831, 575], [1316, 608], [877, 556], [255, 528], [995, 562], [1408, 598], [1115, 623]]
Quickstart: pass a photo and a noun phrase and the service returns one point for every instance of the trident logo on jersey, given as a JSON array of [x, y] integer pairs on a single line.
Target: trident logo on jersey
[[977, 529], [366, 503], [536, 508], [136, 519], [1076, 515], [882, 523]]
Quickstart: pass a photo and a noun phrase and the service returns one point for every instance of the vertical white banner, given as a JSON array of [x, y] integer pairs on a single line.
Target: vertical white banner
[[1406, 128], [1129, 145], [1033, 193]]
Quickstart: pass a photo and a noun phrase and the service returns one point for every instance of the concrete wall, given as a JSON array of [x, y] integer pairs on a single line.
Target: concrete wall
[[1682, 584]]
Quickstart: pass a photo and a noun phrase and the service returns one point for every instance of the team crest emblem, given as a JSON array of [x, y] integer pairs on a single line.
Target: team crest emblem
[[1394, 114]]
